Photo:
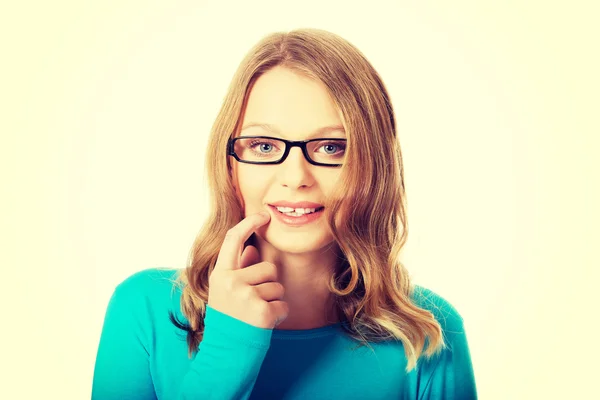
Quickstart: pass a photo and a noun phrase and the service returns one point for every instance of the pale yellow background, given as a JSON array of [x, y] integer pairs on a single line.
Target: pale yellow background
[[105, 110]]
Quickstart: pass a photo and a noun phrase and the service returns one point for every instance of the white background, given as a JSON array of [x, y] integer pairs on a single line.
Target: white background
[[105, 111]]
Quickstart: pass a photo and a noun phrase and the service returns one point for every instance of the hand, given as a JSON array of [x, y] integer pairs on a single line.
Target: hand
[[241, 286]]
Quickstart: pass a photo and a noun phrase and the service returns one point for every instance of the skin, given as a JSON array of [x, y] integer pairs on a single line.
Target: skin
[[305, 256]]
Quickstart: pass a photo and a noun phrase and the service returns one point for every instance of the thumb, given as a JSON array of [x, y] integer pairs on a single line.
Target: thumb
[[249, 257]]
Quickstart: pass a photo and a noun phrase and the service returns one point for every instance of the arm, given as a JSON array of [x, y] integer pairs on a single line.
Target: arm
[[122, 368], [226, 365], [228, 360]]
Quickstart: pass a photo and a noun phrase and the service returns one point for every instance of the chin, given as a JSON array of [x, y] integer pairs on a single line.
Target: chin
[[297, 242]]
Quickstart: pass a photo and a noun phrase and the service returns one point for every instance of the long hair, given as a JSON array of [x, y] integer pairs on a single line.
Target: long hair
[[366, 212]]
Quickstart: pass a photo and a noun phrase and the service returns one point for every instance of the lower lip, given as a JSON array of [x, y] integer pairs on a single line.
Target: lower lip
[[296, 221]]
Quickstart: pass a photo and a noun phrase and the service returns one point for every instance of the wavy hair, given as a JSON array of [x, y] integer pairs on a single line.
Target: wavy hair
[[366, 212]]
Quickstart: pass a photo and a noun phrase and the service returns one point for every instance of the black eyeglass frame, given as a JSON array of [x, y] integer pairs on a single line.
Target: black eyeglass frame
[[288, 145]]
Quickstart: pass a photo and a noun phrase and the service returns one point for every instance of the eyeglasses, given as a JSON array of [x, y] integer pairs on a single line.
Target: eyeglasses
[[270, 150]]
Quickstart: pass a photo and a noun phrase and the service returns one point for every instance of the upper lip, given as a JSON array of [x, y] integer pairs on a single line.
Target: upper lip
[[300, 204]]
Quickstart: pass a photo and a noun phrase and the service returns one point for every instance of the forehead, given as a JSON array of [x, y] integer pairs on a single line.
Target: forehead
[[295, 104]]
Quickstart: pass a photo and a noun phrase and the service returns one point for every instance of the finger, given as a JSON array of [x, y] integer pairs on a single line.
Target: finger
[[260, 272], [249, 257], [231, 249], [270, 291]]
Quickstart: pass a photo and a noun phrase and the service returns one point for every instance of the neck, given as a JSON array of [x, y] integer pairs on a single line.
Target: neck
[[304, 277]]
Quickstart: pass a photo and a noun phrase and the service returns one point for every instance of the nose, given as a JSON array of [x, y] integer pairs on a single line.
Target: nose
[[294, 169], [296, 155]]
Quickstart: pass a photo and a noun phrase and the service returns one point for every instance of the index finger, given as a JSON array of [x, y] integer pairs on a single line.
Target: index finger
[[231, 249]]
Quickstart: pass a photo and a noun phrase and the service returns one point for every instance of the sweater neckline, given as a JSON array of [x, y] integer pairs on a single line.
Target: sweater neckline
[[307, 333]]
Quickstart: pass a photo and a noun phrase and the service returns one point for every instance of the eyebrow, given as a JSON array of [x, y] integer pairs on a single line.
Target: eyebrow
[[318, 132]]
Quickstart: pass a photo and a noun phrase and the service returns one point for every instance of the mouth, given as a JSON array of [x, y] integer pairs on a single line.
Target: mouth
[[276, 210]]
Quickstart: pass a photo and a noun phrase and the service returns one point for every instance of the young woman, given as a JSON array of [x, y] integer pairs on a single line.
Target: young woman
[[309, 300]]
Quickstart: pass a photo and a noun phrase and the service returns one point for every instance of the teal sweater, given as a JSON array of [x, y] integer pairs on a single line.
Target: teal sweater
[[142, 355]]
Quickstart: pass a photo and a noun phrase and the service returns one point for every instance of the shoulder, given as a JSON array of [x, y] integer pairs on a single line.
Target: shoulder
[[444, 312], [449, 372], [138, 311], [148, 286], [148, 280]]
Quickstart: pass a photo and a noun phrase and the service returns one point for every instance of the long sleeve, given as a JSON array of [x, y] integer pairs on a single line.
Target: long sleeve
[[122, 363], [143, 355], [228, 360], [225, 366], [452, 377]]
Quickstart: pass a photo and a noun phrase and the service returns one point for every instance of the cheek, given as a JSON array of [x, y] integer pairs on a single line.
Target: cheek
[[329, 181], [251, 186]]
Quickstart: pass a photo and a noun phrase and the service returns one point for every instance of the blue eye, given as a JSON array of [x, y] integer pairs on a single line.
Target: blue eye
[[263, 142], [337, 145], [334, 145]]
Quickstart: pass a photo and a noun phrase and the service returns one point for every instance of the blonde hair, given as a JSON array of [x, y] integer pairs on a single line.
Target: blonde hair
[[366, 212]]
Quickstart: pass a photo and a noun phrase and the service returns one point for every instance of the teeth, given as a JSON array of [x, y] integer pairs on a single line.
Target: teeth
[[296, 212]]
